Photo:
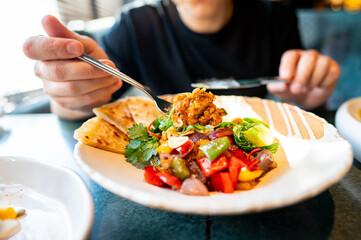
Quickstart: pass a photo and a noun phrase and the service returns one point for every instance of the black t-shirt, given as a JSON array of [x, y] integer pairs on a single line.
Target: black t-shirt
[[151, 44]]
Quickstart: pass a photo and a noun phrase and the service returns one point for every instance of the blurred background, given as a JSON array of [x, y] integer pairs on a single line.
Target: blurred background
[[332, 27]]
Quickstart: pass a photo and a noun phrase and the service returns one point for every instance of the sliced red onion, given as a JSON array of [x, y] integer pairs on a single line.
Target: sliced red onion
[[221, 133], [197, 136], [192, 186]]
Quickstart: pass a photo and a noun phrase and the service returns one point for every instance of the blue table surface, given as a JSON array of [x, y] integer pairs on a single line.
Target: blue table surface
[[333, 214]]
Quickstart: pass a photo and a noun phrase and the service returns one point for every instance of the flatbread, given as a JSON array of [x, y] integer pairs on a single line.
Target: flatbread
[[143, 110], [116, 113], [98, 133]]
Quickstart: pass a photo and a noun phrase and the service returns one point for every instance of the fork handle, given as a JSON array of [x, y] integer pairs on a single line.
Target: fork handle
[[96, 63]]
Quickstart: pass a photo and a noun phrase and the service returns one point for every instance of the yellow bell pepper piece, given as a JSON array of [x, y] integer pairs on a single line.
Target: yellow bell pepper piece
[[164, 148], [246, 175], [7, 213]]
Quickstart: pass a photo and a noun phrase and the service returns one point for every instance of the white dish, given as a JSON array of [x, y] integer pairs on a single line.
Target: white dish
[[58, 204], [348, 123], [314, 157]]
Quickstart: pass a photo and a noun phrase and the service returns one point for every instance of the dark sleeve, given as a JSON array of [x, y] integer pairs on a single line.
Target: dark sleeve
[[117, 43], [286, 33]]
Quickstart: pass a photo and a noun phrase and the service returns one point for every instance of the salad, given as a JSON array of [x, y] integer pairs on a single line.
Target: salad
[[191, 150]]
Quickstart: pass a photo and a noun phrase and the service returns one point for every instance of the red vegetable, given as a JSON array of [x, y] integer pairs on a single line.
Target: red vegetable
[[241, 155], [185, 147], [153, 134], [170, 180], [211, 167], [222, 182], [235, 165], [253, 151], [151, 177]]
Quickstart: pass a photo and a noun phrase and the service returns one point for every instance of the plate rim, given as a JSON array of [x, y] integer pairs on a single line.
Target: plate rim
[[97, 177]]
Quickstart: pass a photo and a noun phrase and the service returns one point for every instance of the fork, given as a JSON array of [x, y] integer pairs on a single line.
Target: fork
[[162, 105]]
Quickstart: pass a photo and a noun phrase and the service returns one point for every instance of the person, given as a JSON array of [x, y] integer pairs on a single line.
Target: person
[[169, 44]]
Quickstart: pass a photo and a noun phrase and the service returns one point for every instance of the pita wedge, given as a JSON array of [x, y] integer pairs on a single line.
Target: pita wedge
[[116, 113], [143, 110], [98, 133]]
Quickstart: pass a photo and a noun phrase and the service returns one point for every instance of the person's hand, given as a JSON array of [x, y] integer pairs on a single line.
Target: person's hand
[[71, 83], [312, 78]]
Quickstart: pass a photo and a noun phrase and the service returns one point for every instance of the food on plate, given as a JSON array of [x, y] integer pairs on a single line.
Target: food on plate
[[143, 110], [101, 134], [116, 113], [196, 108], [10, 213], [191, 149]]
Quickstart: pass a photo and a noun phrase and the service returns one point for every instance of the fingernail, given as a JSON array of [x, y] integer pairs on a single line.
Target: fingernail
[[297, 87], [73, 48]]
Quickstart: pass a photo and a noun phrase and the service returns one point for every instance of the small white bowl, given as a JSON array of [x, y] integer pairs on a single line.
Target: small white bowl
[[348, 123], [57, 202]]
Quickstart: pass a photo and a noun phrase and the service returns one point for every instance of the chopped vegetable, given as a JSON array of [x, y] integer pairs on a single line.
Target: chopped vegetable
[[246, 145], [235, 165], [209, 168], [222, 182], [185, 147], [7, 213], [246, 175], [151, 133], [175, 142], [179, 169], [151, 177], [214, 148], [170, 180], [193, 186], [259, 135]]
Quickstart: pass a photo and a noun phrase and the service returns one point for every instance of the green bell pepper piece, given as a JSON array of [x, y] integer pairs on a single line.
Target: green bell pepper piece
[[179, 169], [214, 148]]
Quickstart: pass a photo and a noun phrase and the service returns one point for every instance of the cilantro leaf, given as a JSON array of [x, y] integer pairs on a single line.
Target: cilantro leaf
[[138, 132], [142, 147]]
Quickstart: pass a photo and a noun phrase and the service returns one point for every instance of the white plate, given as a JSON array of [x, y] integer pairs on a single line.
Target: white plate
[[312, 158], [58, 204], [348, 122]]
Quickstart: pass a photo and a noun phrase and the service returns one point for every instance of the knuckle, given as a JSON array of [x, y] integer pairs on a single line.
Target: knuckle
[[72, 88], [52, 47], [37, 71], [324, 60], [28, 47], [312, 54], [335, 70], [57, 72]]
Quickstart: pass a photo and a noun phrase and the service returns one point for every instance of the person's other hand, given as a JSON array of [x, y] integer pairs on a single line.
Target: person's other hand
[[72, 84], [312, 78]]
